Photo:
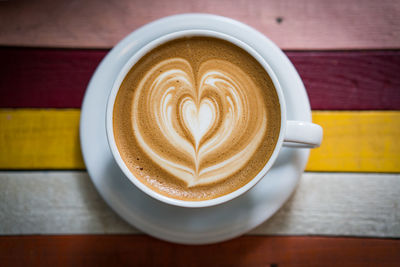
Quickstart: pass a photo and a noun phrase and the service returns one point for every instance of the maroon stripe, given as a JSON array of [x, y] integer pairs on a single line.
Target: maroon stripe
[[140, 250], [46, 78], [353, 80]]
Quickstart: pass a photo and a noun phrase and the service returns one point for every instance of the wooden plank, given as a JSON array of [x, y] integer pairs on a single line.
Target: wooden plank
[[66, 202], [305, 24], [57, 78], [40, 139], [138, 250], [46, 78], [44, 202], [353, 141], [357, 141], [353, 80]]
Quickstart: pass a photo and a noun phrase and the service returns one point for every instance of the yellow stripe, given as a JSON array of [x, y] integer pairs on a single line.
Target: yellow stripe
[[353, 141], [365, 141], [39, 139]]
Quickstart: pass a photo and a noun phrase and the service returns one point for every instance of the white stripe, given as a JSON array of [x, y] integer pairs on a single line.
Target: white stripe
[[64, 202]]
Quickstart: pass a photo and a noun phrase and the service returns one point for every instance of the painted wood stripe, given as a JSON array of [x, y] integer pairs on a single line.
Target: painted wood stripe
[[305, 24], [139, 250], [40, 139], [357, 141], [57, 78], [353, 141], [331, 204]]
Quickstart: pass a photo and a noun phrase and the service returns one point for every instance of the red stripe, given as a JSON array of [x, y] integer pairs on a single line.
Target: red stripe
[[139, 250], [353, 80], [46, 78], [350, 80]]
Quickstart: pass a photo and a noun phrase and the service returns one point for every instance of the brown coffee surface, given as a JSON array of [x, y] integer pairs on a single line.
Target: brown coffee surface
[[196, 118]]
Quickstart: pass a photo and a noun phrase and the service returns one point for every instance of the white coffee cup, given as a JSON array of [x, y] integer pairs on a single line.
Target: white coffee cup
[[299, 134]]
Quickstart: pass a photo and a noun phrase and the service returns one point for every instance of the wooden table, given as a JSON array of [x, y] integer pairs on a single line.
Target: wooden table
[[346, 209]]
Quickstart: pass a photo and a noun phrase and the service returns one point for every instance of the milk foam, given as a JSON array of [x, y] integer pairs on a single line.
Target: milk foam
[[199, 115]]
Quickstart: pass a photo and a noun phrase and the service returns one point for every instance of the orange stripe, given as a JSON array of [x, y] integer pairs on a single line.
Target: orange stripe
[[140, 250]]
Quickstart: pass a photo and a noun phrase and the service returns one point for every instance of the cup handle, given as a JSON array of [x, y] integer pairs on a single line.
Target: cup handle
[[302, 134]]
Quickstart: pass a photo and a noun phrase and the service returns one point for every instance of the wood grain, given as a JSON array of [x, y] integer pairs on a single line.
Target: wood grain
[[353, 141], [40, 139], [47, 78], [337, 204], [305, 24], [357, 141], [137, 250], [351, 80], [57, 78]]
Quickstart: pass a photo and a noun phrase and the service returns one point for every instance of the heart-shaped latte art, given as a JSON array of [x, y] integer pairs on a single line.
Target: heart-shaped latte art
[[200, 128], [198, 120]]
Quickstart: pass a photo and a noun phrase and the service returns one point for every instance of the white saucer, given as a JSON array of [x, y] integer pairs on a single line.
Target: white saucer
[[185, 225]]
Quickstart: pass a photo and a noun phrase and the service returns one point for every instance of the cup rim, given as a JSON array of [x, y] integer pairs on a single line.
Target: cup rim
[[116, 86]]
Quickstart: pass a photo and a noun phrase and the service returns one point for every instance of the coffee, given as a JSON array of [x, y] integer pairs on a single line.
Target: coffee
[[196, 118]]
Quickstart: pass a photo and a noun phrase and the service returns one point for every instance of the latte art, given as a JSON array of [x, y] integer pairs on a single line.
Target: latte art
[[196, 118], [215, 113]]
